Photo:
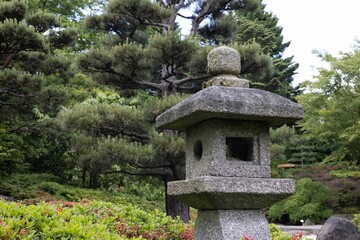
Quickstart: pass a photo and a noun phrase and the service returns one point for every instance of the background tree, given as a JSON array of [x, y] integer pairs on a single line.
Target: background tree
[[289, 145], [144, 47], [258, 31], [30, 67], [332, 104]]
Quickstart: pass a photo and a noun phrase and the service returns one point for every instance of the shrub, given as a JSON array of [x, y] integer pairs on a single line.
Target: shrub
[[33, 188], [356, 221], [344, 173], [87, 220], [312, 200], [22, 186], [276, 234]]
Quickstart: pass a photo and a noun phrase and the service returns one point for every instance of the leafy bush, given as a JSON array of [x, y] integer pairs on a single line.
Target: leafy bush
[[356, 221], [87, 220], [33, 188], [312, 200], [276, 234], [20, 186], [343, 173]]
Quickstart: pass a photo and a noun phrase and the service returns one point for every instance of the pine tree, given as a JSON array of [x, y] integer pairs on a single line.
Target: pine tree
[[29, 70]]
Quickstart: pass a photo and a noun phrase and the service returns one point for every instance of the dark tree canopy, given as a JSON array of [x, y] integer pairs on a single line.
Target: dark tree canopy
[[168, 62], [31, 66]]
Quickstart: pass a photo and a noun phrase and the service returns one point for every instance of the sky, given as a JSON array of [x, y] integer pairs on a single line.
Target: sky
[[323, 25]]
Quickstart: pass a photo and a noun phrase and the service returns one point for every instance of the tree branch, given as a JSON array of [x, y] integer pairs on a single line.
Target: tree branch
[[157, 86], [180, 15], [8, 60], [15, 94], [167, 26], [135, 136], [191, 79], [197, 20]]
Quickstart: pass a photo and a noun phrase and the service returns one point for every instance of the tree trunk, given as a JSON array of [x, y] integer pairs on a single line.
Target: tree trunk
[[94, 180], [174, 207], [83, 177]]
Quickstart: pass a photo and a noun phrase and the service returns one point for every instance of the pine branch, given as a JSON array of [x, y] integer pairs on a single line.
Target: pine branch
[[8, 104], [157, 86], [167, 26], [137, 137], [26, 128], [15, 94], [205, 12], [8, 60], [180, 15], [191, 79], [197, 20]]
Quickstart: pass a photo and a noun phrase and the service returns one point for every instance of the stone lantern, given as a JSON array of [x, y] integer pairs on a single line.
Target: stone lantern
[[228, 176]]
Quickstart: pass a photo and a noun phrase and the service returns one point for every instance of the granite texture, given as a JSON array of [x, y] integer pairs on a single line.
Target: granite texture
[[230, 103], [214, 160], [224, 60], [231, 225], [227, 80], [336, 228], [231, 192]]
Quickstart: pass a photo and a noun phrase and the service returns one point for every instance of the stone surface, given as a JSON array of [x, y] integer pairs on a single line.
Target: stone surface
[[230, 103], [231, 192], [336, 228], [224, 60], [215, 159], [231, 225], [226, 80]]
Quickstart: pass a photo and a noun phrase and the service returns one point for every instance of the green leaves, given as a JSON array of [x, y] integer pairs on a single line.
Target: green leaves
[[17, 36], [43, 21], [13, 10], [87, 220], [310, 201], [332, 104]]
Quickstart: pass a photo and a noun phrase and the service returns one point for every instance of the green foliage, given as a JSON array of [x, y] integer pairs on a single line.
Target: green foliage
[[331, 107], [277, 234], [32, 73], [19, 185], [289, 146], [42, 21], [13, 10], [16, 36], [161, 60], [346, 173], [260, 28], [68, 10], [108, 130], [312, 200], [11, 157], [33, 188], [87, 220], [356, 221], [280, 137]]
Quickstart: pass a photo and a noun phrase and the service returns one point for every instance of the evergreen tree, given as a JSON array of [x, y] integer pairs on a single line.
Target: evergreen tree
[[109, 130], [29, 69], [260, 36]]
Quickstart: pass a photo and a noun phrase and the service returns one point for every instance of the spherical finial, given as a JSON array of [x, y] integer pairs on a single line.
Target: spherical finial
[[224, 60], [224, 64]]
